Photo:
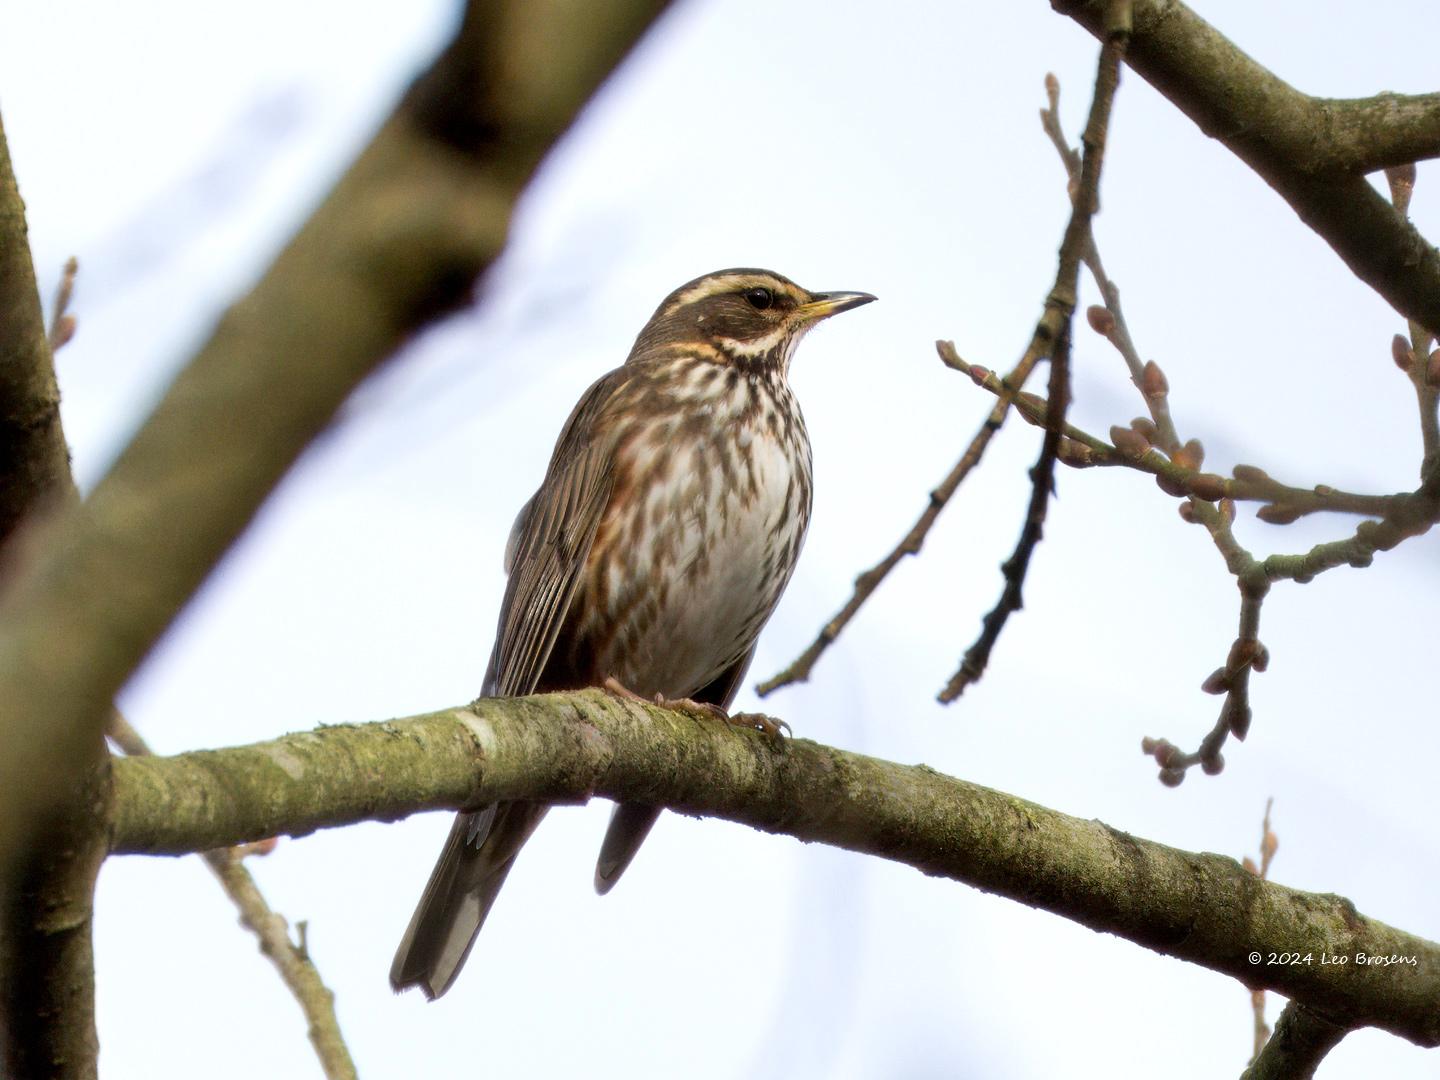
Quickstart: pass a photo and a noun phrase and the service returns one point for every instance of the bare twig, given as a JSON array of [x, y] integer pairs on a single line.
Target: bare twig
[[910, 544], [1078, 241], [1415, 357], [1042, 344], [292, 961], [1269, 844], [62, 323], [1081, 450]]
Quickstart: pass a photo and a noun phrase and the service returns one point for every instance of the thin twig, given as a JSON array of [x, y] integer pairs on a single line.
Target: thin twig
[[62, 323], [1269, 844], [869, 581], [1060, 306], [1423, 366], [292, 961], [1284, 503]]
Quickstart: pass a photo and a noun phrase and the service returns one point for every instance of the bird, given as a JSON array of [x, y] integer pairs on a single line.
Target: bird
[[667, 525]]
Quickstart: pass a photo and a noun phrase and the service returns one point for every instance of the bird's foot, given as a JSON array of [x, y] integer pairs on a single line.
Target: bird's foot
[[705, 710], [758, 721]]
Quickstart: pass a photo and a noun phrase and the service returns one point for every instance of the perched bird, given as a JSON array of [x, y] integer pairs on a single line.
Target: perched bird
[[668, 523]]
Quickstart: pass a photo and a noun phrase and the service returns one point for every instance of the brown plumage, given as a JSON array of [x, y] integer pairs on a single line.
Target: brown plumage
[[667, 525]]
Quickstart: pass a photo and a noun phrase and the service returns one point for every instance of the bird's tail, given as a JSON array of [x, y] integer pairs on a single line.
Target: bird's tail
[[462, 887], [629, 825]]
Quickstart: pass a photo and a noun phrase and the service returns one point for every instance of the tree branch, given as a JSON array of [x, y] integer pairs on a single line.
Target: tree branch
[[47, 994], [33, 453], [1203, 908], [1300, 1043], [1271, 126]]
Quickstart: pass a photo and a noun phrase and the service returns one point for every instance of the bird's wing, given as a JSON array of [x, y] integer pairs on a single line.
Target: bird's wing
[[549, 545]]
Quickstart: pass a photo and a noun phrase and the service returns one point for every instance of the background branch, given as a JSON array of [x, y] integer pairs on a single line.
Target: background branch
[[1203, 908], [1271, 126], [1302, 1039]]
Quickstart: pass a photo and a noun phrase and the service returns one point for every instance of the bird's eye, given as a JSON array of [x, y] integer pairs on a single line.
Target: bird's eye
[[759, 298]]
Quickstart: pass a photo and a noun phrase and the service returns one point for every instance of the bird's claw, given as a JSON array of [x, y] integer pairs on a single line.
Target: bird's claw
[[777, 730], [705, 710]]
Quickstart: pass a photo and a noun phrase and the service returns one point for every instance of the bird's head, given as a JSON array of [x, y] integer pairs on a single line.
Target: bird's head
[[752, 318]]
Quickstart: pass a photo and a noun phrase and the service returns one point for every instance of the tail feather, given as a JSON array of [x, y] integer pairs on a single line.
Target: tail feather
[[629, 825], [473, 865]]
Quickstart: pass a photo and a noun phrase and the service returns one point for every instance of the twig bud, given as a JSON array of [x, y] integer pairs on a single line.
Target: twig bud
[[979, 374], [1172, 777], [1432, 369], [1217, 682], [1250, 474], [1190, 456], [1261, 660], [1129, 441], [1101, 320], [1153, 383], [1213, 765], [1171, 486], [1249, 864], [1075, 454], [1052, 90], [1278, 513], [1238, 717], [1401, 353], [1145, 426], [1187, 513]]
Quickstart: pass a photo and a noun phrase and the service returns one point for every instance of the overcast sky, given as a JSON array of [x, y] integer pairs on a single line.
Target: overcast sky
[[894, 150]]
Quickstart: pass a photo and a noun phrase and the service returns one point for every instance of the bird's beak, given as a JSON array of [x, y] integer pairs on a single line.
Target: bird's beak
[[823, 305]]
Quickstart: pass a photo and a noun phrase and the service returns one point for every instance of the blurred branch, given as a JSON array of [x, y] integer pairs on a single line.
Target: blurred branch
[[296, 969], [1273, 128], [399, 242], [1302, 1039], [33, 454], [47, 994], [1203, 908], [1059, 310]]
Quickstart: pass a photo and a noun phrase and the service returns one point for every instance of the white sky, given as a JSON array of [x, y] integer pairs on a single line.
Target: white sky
[[894, 151]]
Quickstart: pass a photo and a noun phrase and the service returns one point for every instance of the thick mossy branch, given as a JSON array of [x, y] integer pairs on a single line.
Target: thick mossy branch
[[1203, 908], [1313, 151]]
